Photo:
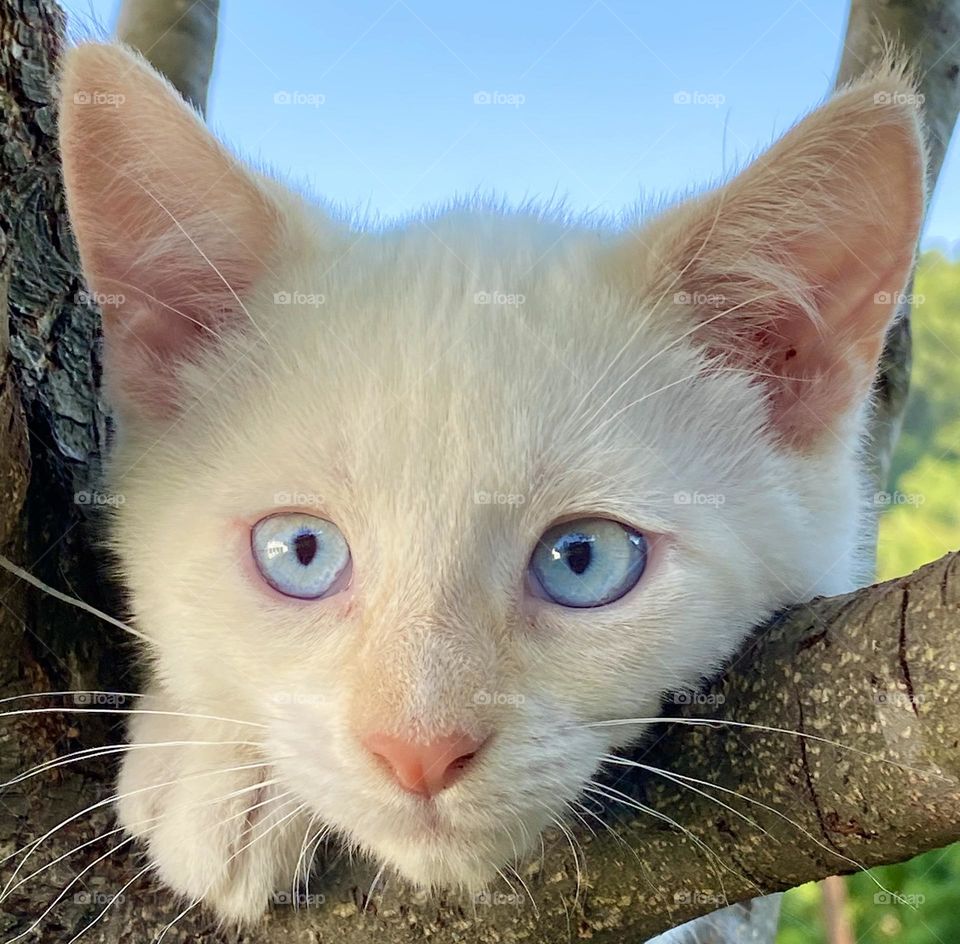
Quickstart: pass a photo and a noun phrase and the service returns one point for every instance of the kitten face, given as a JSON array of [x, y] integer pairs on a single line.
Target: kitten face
[[392, 419], [366, 379]]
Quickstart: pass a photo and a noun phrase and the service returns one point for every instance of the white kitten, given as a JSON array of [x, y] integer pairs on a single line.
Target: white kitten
[[411, 542]]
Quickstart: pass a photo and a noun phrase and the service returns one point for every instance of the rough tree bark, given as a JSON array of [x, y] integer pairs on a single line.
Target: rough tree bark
[[875, 671]]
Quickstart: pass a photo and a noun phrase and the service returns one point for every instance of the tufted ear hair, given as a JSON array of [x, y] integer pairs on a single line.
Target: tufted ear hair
[[795, 268], [172, 230]]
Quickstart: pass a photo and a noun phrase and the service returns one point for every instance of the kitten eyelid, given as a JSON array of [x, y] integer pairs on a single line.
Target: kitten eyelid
[[652, 535], [289, 508]]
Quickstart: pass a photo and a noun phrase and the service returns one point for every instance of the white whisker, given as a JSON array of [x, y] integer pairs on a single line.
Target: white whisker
[[183, 914], [73, 694], [679, 778], [32, 847], [126, 711], [120, 829], [612, 793], [110, 904], [53, 904], [720, 722], [373, 885], [90, 753], [18, 571]]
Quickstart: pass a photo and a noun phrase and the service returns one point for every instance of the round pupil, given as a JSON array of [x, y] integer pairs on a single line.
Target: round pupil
[[578, 553], [305, 547]]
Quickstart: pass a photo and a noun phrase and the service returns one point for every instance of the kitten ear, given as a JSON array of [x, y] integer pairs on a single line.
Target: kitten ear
[[795, 268], [171, 229]]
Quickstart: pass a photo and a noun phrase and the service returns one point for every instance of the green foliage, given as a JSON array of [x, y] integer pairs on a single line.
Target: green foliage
[[920, 521]]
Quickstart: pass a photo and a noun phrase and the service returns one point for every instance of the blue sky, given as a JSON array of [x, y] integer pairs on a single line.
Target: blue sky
[[581, 95]]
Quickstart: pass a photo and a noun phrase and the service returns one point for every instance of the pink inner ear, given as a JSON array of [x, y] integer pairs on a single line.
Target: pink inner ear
[[808, 252], [141, 350], [168, 224], [174, 303], [809, 384], [812, 377]]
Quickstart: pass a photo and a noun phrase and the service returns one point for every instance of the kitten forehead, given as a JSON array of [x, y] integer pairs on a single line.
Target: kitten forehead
[[387, 381]]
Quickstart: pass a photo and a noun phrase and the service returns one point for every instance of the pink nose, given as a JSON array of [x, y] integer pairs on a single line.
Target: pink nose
[[424, 768]]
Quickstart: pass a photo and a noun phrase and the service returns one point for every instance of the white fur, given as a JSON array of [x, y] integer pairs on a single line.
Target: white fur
[[393, 404], [388, 408]]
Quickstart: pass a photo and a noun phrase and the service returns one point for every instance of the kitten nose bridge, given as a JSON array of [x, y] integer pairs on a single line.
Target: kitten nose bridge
[[427, 677], [424, 769]]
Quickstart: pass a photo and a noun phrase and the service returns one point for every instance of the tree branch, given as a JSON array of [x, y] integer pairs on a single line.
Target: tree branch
[[927, 30], [178, 37], [875, 671]]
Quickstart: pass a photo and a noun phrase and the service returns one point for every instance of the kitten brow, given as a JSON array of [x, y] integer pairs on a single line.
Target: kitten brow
[[694, 376], [654, 308], [697, 326]]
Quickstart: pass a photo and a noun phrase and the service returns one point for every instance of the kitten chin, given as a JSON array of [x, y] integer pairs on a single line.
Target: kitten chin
[[460, 838]]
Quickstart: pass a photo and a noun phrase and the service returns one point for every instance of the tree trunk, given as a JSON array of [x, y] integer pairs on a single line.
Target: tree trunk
[[874, 671], [179, 37], [929, 31]]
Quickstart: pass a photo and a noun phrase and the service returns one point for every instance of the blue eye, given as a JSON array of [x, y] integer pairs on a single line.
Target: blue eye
[[300, 555], [589, 562]]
